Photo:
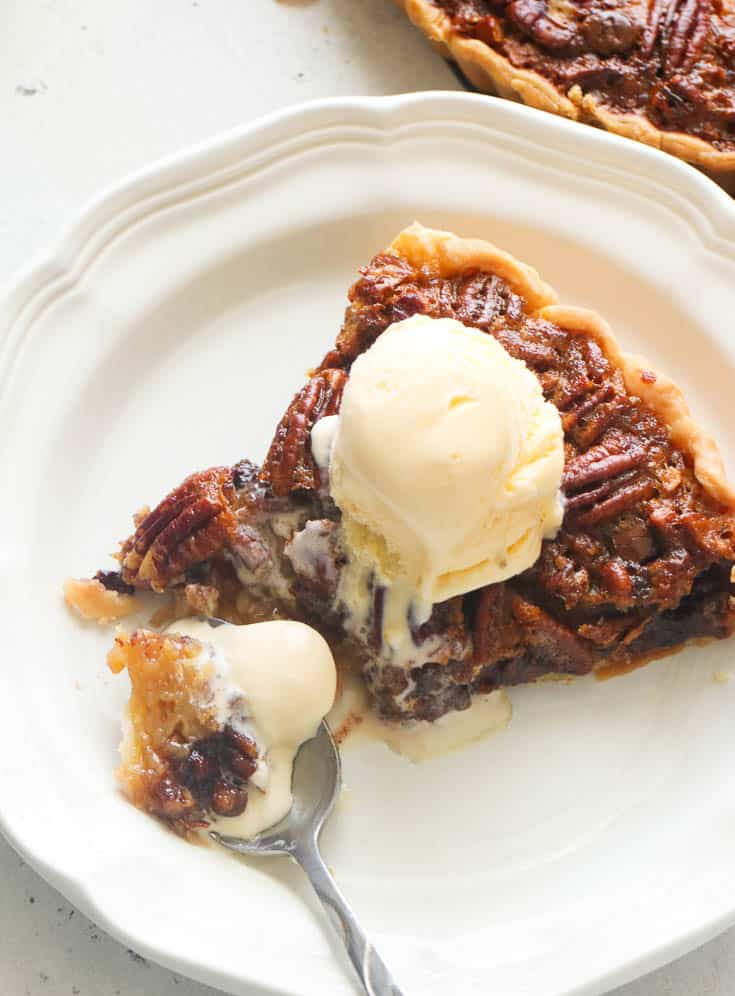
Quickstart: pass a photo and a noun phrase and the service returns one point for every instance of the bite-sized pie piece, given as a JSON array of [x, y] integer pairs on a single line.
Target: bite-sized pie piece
[[180, 762], [215, 717], [659, 71], [459, 576]]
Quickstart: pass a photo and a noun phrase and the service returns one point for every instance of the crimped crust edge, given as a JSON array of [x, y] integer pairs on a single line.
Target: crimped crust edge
[[449, 254], [490, 71]]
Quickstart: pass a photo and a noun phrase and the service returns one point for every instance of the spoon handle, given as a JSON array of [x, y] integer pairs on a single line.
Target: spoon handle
[[368, 964]]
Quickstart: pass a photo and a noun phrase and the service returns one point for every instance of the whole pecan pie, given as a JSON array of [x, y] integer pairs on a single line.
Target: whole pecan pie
[[659, 71], [643, 561]]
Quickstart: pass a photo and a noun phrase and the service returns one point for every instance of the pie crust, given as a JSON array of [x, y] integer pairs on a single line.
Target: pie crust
[[450, 254]]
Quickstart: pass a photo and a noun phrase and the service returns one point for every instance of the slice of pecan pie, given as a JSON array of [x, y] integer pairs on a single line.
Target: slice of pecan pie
[[641, 565], [659, 71]]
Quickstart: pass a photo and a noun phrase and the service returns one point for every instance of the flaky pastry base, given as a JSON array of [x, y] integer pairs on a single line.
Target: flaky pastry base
[[493, 73]]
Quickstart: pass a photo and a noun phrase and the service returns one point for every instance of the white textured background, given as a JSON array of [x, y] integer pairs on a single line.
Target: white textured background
[[90, 90]]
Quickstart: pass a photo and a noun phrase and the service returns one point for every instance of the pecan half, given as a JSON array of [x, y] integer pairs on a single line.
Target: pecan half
[[495, 634], [588, 404], [603, 462], [609, 32], [194, 522], [531, 17], [620, 501], [659, 12], [535, 353], [605, 481], [289, 465], [385, 273], [687, 34], [679, 28], [481, 298]]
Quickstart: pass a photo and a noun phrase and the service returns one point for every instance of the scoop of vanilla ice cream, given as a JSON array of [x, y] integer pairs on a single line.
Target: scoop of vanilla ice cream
[[445, 459]]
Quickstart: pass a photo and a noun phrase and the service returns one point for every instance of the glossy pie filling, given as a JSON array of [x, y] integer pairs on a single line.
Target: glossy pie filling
[[641, 565], [672, 61]]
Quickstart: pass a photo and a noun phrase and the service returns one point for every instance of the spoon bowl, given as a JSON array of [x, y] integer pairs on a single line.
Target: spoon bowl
[[315, 784]]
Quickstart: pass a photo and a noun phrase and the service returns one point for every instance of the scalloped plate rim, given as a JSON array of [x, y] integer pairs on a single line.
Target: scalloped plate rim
[[64, 265]]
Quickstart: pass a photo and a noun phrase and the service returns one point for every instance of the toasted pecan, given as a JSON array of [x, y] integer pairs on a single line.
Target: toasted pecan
[[289, 464], [190, 525]]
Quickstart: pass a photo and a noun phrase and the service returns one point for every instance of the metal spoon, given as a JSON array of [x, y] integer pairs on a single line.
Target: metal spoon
[[315, 785]]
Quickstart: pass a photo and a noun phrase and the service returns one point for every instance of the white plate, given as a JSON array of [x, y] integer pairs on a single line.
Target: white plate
[[591, 841]]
